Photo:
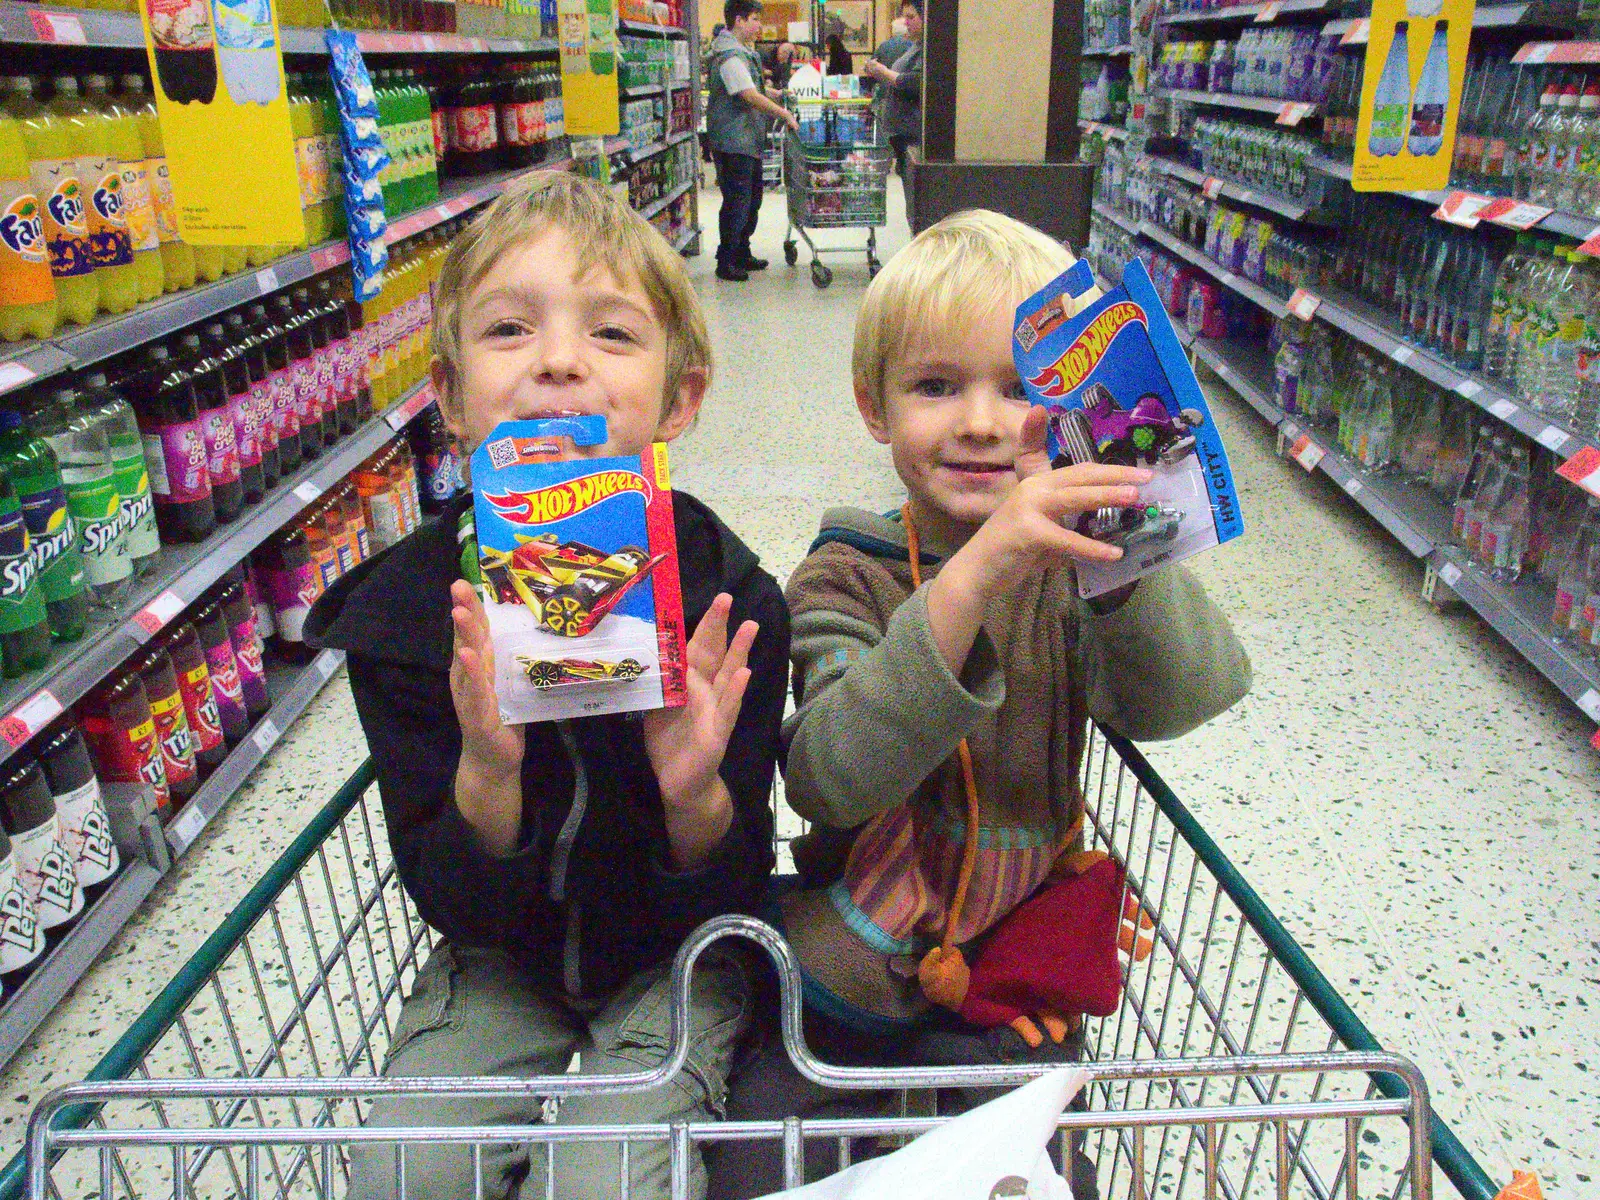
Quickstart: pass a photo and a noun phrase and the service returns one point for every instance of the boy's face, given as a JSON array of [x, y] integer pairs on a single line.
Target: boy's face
[[538, 341], [953, 412]]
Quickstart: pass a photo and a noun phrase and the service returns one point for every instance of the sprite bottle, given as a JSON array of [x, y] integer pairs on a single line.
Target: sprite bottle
[[85, 457], [52, 533], [115, 416], [24, 629]]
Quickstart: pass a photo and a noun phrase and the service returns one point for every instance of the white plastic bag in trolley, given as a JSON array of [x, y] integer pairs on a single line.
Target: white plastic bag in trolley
[[997, 1150]]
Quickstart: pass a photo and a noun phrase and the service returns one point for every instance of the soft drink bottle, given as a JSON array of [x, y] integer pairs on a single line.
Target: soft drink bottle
[[1466, 495], [27, 295], [100, 184], [121, 732], [28, 811], [1505, 528], [177, 256], [247, 53], [323, 363], [215, 413], [138, 515], [80, 811], [171, 720], [175, 450], [24, 628], [290, 578], [1451, 459], [80, 446], [226, 690], [1586, 408], [54, 171], [1531, 147], [1496, 338], [1432, 98], [186, 66], [1487, 499], [138, 209], [53, 539], [1392, 101], [1578, 589], [280, 379], [303, 373], [257, 415], [1560, 333], [241, 413], [240, 616], [199, 699]]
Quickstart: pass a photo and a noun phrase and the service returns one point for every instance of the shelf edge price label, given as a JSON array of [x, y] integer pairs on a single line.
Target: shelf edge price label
[[266, 280], [307, 491], [1514, 214], [1358, 33], [1503, 409], [1294, 112], [29, 717], [1583, 469], [1401, 354], [1552, 438], [1307, 453], [188, 826], [1591, 244], [1268, 13], [1211, 188], [1462, 208], [153, 617], [1533, 54], [266, 735], [1468, 388], [1352, 486], [58, 29], [1590, 703], [327, 663], [1450, 573], [14, 375], [1303, 304]]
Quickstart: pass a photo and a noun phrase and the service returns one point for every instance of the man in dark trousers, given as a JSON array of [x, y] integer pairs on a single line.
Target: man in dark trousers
[[903, 81], [737, 115]]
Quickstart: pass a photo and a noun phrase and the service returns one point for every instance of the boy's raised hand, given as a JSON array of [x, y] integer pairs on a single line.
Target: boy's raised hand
[[1034, 528], [489, 776], [686, 744]]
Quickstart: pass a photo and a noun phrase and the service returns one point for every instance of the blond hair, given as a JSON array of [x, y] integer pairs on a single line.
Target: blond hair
[[605, 232], [952, 274]]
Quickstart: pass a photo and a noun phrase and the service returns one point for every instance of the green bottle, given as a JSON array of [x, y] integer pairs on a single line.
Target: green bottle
[[24, 629], [53, 539]]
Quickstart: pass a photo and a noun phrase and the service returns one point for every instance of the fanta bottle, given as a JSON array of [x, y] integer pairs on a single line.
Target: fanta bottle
[[177, 256], [55, 182], [27, 296], [100, 181], [138, 209], [208, 263], [235, 259]]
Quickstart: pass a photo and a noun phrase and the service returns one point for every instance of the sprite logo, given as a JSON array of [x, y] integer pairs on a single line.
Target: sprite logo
[[22, 229], [56, 541], [16, 578]]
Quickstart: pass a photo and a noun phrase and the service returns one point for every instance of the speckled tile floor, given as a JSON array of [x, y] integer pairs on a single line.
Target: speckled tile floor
[[1410, 797]]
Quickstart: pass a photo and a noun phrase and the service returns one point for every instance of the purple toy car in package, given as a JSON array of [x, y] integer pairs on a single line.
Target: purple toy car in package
[[1120, 390]]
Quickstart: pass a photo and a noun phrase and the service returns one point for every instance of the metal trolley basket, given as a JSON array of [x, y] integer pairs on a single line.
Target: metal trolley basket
[[836, 171], [1232, 1070]]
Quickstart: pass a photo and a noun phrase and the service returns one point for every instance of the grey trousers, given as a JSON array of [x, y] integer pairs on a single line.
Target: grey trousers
[[472, 1012]]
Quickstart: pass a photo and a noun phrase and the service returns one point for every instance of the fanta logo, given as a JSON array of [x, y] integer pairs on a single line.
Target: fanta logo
[[1080, 358], [568, 499], [22, 228], [66, 205], [108, 199]]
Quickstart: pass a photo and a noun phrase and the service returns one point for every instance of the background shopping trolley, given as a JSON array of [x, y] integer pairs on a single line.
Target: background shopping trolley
[[836, 170], [1232, 1069]]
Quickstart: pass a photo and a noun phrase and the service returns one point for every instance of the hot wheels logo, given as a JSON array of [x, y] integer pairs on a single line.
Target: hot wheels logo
[[1085, 353], [22, 229], [562, 500]]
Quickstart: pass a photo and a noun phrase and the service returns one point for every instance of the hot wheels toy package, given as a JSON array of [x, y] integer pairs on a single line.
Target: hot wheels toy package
[[1120, 390], [577, 564]]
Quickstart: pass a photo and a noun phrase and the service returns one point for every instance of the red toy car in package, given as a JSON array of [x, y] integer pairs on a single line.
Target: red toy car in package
[[577, 565]]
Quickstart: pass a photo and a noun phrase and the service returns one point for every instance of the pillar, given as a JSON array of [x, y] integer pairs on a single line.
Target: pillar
[[1000, 115]]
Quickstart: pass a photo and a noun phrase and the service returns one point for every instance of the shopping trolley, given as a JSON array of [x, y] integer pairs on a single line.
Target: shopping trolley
[[1231, 1070], [836, 172]]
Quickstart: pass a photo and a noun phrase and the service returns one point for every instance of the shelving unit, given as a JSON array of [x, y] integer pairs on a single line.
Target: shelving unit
[[1121, 51], [648, 30], [1269, 104], [22, 363], [181, 574], [1125, 223], [687, 241], [1259, 14], [1115, 132], [1295, 210], [1237, 283]]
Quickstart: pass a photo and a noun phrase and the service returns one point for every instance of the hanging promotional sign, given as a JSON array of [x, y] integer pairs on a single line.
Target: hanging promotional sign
[[588, 40], [1411, 94], [218, 71]]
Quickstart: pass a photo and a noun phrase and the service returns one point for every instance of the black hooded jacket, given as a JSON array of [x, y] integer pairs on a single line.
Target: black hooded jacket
[[589, 898]]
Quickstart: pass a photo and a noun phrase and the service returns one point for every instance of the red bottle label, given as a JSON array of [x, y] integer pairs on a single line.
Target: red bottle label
[[173, 736], [475, 128], [200, 706]]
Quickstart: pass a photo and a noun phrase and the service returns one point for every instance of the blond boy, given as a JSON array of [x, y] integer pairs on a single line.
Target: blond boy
[[993, 647], [562, 862]]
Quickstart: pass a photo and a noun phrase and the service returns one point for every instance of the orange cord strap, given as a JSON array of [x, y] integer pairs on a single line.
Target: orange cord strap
[[969, 853]]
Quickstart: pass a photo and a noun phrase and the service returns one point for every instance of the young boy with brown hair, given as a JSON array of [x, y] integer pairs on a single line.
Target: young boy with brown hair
[[563, 862]]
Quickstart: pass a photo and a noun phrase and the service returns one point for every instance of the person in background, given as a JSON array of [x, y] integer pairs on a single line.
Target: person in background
[[737, 115], [891, 48], [903, 82], [781, 66], [839, 60]]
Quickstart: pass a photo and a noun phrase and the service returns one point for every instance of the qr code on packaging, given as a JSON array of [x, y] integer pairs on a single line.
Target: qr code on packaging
[[502, 453]]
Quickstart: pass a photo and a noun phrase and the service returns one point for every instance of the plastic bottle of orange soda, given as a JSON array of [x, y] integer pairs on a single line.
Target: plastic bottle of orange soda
[[27, 294], [138, 210], [100, 182], [177, 256], [54, 172]]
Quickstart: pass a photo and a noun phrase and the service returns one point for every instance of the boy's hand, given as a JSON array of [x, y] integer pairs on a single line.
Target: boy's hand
[[686, 744], [489, 776], [1034, 528]]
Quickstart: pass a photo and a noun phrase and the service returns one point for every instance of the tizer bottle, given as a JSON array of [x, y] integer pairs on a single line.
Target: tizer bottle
[[54, 171]]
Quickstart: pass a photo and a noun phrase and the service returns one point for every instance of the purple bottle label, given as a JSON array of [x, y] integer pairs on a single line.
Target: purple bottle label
[[222, 450], [226, 685], [261, 416], [176, 455], [247, 656], [246, 427], [292, 593], [284, 421], [327, 379], [307, 402]]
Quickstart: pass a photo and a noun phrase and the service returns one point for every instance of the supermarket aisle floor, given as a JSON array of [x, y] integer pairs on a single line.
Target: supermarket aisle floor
[[1412, 799]]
